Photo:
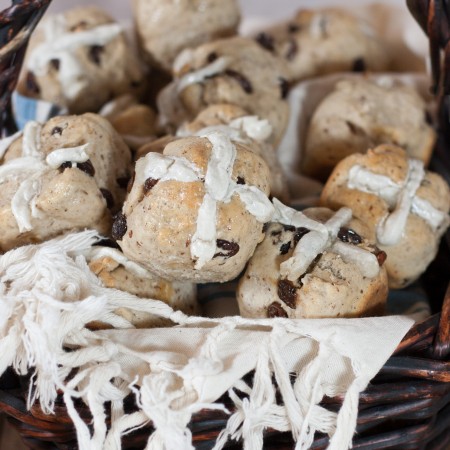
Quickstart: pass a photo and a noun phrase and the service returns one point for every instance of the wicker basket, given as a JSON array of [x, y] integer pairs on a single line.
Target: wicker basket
[[406, 406]]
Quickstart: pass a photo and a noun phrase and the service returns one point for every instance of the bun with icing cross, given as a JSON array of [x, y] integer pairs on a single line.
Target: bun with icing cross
[[314, 264], [79, 60], [67, 174], [197, 211], [235, 71], [405, 207]]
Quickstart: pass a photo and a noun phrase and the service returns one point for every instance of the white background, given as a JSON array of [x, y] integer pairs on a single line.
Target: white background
[[274, 9]]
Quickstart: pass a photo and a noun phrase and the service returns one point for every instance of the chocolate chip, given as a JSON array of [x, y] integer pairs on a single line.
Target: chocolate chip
[[149, 184], [31, 83], [65, 165], [285, 248], [289, 227], [275, 233], [380, 255], [211, 57], [359, 65], [284, 87], [240, 180], [276, 310], [119, 227], [86, 167], [299, 233], [231, 248], [135, 84], [292, 50], [293, 28], [55, 63], [122, 182], [266, 41], [244, 82], [95, 52], [349, 235], [287, 292], [56, 130], [265, 227], [131, 182], [108, 197]]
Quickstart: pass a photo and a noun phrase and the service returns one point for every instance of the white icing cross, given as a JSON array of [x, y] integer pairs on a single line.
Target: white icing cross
[[61, 44], [238, 130], [254, 127], [219, 187], [197, 76], [322, 236], [72, 154], [317, 26], [400, 196], [33, 164]]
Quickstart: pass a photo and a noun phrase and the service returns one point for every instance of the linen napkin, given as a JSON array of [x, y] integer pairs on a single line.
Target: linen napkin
[[48, 295]]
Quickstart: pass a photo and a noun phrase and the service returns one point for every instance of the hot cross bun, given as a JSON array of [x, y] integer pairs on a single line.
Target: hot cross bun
[[314, 264], [196, 212], [79, 60], [69, 173], [404, 206]]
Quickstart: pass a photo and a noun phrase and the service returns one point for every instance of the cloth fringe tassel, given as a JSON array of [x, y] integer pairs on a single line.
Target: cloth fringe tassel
[[48, 295]]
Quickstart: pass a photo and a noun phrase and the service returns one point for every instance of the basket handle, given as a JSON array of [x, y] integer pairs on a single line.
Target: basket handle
[[434, 18], [16, 25]]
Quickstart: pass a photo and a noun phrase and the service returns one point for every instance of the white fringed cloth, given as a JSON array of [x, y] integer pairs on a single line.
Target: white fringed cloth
[[48, 294]]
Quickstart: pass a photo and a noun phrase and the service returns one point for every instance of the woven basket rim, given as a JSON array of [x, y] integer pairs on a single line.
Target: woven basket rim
[[414, 383]]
